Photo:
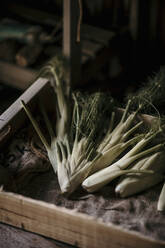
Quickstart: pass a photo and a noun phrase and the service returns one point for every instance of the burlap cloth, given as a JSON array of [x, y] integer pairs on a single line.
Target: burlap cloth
[[33, 177]]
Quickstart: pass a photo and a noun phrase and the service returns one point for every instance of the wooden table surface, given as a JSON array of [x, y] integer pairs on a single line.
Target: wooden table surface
[[11, 237]]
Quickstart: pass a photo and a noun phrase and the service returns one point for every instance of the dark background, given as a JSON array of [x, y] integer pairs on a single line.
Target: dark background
[[139, 46]]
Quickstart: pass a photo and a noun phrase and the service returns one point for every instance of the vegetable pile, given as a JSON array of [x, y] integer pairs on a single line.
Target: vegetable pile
[[93, 143]]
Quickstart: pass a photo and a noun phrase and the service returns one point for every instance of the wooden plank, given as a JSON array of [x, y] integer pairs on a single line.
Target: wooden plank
[[71, 48], [96, 34], [11, 237], [67, 225], [14, 116], [16, 76]]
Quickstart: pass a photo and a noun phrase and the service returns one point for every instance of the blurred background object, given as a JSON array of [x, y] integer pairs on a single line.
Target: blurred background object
[[122, 42]]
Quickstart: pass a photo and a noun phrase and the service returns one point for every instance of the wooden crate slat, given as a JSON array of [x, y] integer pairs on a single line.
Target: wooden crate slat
[[16, 76], [67, 225]]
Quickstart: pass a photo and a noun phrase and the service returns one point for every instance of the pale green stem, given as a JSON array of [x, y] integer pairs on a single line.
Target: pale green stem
[[63, 150], [58, 153], [109, 155], [140, 145], [104, 143], [131, 118], [77, 120], [68, 147], [132, 130], [60, 95], [138, 156], [121, 128], [111, 122], [125, 111], [89, 146], [62, 104], [35, 125]]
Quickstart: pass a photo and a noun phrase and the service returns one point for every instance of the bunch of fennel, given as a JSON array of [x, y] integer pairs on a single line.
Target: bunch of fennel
[[119, 167], [143, 100], [81, 124], [152, 96], [119, 137], [86, 145]]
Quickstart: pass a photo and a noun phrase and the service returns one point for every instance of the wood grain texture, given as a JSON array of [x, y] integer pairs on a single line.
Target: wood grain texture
[[11, 237], [67, 225]]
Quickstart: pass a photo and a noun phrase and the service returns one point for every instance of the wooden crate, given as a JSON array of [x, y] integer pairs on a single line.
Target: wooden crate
[[49, 220]]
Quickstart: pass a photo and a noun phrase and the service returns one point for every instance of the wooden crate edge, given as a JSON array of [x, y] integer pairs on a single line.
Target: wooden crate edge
[[67, 225]]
